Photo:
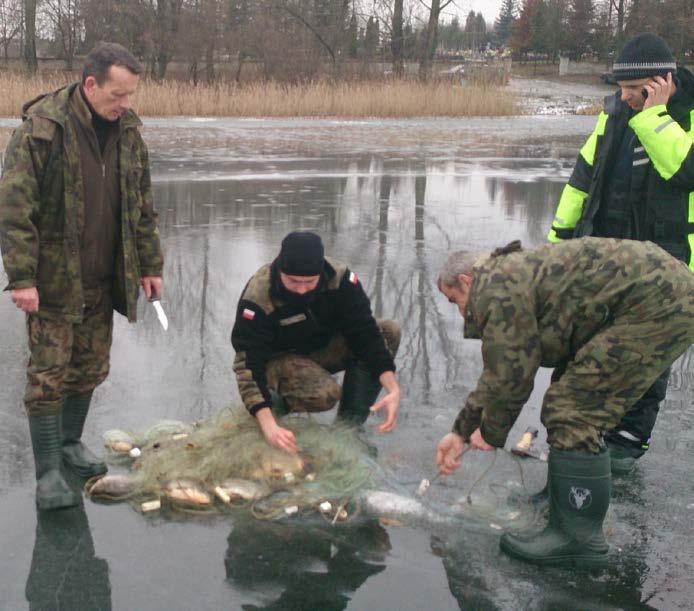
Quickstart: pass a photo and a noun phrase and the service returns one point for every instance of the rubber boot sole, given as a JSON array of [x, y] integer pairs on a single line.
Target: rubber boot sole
[[587, 560]]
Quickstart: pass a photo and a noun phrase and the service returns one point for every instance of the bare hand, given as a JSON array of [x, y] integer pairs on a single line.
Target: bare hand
[[152, 286], [477, 442], [391, 404], [27, 299], [275, 435], [282, 439], [659, 90], [448, 453]]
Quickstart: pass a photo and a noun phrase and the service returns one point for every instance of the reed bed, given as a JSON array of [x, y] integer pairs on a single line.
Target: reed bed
[[352, 99]]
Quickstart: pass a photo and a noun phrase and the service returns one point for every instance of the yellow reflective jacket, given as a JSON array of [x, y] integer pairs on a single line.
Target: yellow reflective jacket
[[666, 198]]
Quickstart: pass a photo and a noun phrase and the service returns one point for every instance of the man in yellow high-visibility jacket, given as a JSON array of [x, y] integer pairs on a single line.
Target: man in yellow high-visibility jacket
[[634, 179]]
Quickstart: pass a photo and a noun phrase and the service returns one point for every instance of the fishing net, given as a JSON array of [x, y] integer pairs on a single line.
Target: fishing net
[[221, 463]]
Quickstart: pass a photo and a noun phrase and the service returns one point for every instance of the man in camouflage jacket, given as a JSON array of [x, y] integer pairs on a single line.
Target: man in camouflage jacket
[[610, 316], [78, 237]]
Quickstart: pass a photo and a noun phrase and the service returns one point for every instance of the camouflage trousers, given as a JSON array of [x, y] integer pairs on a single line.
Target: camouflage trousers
[[306, 382], [68, 358], [613, 370]]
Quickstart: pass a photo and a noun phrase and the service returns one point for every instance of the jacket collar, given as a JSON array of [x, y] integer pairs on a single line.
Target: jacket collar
[[54, 107]]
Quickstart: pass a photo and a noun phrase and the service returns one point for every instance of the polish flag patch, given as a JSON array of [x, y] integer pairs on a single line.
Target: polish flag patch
[[248, 314], [353, 278]]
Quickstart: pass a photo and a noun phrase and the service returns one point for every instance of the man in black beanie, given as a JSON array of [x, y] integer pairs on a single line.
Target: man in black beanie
[[634, 179], [301, 319]]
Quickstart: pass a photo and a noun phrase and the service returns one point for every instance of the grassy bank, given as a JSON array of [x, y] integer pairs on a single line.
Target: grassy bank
[[268, 99]]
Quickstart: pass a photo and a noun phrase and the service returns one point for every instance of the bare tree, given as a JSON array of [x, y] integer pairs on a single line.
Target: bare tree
[[327, 20], [10, 24], [396, 40], [65, 19], [165, 15], [198, 40], [430, 37], [30, 36]]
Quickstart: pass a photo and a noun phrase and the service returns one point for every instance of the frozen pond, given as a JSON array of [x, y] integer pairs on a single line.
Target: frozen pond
[[391, 198]]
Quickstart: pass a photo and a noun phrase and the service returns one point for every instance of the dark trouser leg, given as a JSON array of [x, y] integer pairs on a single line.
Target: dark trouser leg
[[89, 367], [632, 435]]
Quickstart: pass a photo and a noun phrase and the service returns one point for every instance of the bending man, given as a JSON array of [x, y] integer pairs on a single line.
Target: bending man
[[301, 319], [610, 316]]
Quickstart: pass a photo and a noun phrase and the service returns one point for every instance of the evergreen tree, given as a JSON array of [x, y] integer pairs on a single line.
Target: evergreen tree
[[504, 22], [539, 39], [482, 38], [580, 21], [353, 37], [372, 36]]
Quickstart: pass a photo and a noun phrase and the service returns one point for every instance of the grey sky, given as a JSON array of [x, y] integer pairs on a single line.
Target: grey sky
[[489, 8]]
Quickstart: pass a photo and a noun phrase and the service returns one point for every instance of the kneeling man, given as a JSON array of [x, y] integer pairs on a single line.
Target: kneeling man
[[301, 319]]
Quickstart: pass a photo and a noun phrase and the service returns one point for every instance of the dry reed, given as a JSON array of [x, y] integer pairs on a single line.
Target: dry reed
[[352, 99]]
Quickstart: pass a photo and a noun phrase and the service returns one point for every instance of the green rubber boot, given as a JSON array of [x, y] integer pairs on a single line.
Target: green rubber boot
[[52, 491], [359, 392], [76, 455], [579, 493]]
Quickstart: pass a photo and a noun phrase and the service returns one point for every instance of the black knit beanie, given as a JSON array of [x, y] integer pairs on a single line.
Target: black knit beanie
[[643, 56], [301, 254]]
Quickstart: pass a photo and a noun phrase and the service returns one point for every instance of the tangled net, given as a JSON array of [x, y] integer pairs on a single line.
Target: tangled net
[[218, 464]]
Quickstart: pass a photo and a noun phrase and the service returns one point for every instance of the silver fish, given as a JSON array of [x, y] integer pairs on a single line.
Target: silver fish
[[113, 486], [243, 489], [396, 506]]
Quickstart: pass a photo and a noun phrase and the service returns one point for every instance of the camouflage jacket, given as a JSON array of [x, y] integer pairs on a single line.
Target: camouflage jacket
[[42, 211], [537, 308]]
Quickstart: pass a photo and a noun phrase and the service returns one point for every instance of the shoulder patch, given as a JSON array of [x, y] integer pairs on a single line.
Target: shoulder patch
[[258, 290], [42, 128]]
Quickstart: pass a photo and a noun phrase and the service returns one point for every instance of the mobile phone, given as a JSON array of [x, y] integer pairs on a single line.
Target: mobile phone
[[644, 93]]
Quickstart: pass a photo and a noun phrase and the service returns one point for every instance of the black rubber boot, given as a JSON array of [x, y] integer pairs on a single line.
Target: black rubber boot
[[76, 455], [579, 491], [52, 491], [624, 451], [359, 392], [279, 406]]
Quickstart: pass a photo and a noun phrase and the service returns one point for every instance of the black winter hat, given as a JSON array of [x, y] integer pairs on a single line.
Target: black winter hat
[[301, 254], [643, 56]]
